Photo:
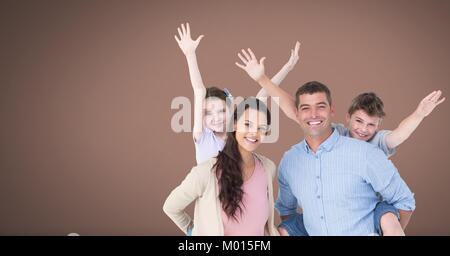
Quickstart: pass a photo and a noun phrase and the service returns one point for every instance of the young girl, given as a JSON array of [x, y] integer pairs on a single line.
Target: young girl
[[233, 192], [210, 108]]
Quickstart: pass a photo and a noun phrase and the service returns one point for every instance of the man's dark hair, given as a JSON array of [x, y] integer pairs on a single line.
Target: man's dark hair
[[311, 88]]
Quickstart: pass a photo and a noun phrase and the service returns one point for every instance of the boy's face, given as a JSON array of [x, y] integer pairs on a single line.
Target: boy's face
[[362, 126], [314, 113]]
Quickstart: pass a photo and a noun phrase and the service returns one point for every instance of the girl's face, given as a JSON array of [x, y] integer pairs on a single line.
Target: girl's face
[[215, 114], [251, 128]]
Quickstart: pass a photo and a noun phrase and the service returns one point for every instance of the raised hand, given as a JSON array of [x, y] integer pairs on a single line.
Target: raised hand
[[428, 103], [294, 57], [185, 42], [251, 65]]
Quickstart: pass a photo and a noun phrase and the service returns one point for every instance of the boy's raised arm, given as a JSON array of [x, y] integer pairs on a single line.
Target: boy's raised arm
[[409, 124]]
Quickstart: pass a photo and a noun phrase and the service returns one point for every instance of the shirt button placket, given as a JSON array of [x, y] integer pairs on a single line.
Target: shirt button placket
[[319, 197]]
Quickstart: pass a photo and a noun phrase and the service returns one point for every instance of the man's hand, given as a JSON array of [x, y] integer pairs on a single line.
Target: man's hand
[[254, 69]]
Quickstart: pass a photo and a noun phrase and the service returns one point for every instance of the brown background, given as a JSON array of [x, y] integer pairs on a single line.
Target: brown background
[[86, 86]]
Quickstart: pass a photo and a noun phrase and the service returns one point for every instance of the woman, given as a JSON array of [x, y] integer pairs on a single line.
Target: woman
[[233, 192]]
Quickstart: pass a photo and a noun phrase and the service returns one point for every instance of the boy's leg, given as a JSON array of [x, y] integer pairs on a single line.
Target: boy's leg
[[386, 219], [293, 226]]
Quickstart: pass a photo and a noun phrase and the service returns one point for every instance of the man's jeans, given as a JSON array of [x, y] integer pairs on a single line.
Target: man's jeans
[[295, 226]]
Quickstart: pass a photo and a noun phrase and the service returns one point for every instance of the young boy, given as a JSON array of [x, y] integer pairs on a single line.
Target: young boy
[[366, 113], [364, 118]]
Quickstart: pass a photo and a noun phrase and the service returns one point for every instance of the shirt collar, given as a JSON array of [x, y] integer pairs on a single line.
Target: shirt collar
[[326, 145]]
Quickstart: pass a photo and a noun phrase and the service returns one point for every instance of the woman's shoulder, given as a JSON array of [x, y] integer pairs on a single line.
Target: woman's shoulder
[[268, 164], [205, 169]]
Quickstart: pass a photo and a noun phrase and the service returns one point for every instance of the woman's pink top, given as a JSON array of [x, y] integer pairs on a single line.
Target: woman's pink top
[[255, 207]]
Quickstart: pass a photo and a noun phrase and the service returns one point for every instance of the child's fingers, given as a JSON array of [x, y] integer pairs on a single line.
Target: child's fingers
[[436, 96], [199, 38], [188, 29], [180, 33], [242, 58], [439, 102], [246, 55], [297, 47], [239, 65], [429, 96], [261, 61], [183, 29], [251, 53], [176, 38]]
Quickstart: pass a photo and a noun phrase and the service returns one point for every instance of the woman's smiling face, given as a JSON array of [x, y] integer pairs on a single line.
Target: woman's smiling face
[[251, 128]]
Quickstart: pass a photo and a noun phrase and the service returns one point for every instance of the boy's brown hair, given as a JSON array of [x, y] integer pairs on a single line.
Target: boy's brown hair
[[369, 102]]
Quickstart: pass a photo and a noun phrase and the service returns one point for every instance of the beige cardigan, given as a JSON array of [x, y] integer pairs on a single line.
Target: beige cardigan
[[201, 186]]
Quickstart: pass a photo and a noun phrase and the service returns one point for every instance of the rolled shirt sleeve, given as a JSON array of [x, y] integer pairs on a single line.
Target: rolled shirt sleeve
[[286, 203], [385, 179]]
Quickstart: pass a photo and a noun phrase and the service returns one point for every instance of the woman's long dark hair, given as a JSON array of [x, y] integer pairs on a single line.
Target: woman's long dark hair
[[229, 162]]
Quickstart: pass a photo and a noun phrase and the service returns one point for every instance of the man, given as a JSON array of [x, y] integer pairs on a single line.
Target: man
[[333, 178]]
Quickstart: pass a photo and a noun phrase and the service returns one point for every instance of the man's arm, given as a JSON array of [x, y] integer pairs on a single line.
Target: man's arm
[[256, 71], [284, 71], [385, 179], [409, 124], [286, 203]]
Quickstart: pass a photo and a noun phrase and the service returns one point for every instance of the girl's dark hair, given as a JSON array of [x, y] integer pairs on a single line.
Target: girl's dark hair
[[229, 160], [215, 92]]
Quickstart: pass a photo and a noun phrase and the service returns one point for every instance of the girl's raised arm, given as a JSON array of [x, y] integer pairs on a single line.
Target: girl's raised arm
[[188, 46]]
